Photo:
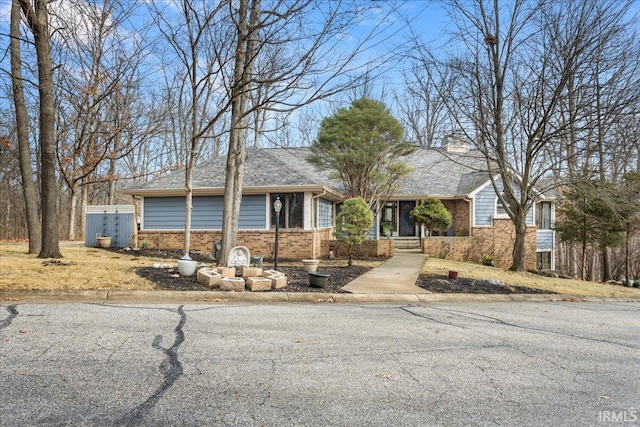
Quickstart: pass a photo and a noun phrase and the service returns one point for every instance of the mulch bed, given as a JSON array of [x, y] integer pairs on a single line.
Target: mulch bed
[[443, 284], [298, 280]]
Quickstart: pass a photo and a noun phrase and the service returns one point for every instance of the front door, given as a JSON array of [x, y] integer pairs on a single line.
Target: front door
[[407, 228]]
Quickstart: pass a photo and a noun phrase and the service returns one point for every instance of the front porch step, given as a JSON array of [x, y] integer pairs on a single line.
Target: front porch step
[[407, 243]]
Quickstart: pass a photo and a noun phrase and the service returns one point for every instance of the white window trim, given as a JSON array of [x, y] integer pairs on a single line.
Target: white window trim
[[552, 215], [497, 215]]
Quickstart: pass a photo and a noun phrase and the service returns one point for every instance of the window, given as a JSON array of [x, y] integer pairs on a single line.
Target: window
[[291, 214], [543, 215], [501, 212], [388, 219], [543, 260], [325, 214]]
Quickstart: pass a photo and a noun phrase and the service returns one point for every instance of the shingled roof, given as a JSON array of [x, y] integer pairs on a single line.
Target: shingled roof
[[439, 173], [436, 172]]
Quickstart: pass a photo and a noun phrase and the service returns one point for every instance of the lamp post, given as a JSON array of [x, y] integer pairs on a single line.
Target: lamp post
[[277, 205]]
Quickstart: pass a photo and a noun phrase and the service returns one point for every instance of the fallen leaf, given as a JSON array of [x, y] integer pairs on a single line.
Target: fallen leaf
[[24, 331], [604, 397], [319, 300], [385, 376], [437, 331]]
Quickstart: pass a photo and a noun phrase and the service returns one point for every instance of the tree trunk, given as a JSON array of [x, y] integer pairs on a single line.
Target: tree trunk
[[29, 190], [84, 201], [606, 264], [188, 208], [519, 247], [38, 23], [236, 154], [627, 269], [583, 263], [73, 207], [111, 195]]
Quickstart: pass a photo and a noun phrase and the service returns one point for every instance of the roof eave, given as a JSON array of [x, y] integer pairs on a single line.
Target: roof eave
[[218, 191]]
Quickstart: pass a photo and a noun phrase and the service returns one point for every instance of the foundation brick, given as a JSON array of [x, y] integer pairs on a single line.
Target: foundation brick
[[272, 273], [278, 282], [235, 284], [209, 277], [227, 271], [251, 272], [258, 284]]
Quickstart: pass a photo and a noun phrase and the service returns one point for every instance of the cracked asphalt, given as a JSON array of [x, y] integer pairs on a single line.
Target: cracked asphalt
[[448, 363]]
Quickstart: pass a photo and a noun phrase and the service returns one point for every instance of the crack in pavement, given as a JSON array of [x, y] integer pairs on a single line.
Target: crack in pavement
[[484, 318], [13, 313], [170, 367], [430, 318]]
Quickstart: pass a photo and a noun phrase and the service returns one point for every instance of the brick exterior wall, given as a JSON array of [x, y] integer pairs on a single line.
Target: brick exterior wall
[[368, 248], [497, 240], [456, 248], [292, 243], [459, 210]]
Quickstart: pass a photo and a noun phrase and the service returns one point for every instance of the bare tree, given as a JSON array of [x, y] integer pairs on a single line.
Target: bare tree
[[509, 85], [246, 22], [201, 47], [423, 111], [38, 22], [601, 98], [99, 96], [29, 189], [312, 64]]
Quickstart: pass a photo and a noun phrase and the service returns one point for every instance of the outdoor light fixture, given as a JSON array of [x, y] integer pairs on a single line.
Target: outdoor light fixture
[[277, 206]]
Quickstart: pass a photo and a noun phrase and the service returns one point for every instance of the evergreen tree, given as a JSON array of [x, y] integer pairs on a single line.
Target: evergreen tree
[[354, 223], [587, 215], [432, 214], [362, 146]]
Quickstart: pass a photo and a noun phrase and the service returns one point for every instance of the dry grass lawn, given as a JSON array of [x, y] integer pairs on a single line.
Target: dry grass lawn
[[85, 268], [81, 269], [561, 286]]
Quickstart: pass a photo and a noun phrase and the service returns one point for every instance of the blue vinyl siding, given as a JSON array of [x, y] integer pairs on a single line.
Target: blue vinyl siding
[[120, 226], [163, 213], [484, 206], [544, 240], [253, 212], [207, 213], [325, 213], [485, 202], [167, 213]]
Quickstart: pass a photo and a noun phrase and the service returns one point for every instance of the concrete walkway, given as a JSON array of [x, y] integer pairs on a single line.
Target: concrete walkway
[[397, 275]]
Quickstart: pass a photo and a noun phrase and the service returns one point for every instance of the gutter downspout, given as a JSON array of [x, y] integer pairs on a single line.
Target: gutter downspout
[[313, 221]]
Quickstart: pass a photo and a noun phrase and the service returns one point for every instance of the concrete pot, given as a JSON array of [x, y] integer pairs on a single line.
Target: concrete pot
[[318, 280], [103, 242], [310, 265], [187, 266]]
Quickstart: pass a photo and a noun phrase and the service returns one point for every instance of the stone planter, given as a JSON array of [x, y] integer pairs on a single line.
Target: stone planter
[[310, 265], [318, 280], [104, 242], [187, 266]]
